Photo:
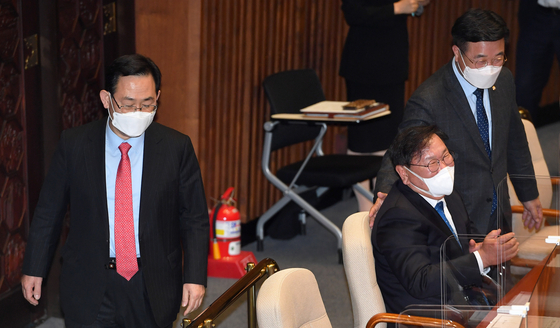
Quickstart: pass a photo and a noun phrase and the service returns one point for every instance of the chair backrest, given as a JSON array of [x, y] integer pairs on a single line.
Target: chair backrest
[[290, 298], [289, 92], [359, 265], [543, 183]]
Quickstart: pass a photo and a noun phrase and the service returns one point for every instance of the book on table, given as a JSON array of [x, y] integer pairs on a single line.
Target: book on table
[[336, 109]]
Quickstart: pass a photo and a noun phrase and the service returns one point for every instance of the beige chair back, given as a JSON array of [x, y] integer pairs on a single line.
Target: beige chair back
[[290, 298], [359, 265], [532, 246], [543, 181]]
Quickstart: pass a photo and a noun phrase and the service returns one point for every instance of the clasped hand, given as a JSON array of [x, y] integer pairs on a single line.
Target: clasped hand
[[495, 249]]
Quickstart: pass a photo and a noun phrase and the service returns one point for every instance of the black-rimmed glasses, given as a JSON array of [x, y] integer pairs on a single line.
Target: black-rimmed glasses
[[481, 63], [133, 108], [434, 164]]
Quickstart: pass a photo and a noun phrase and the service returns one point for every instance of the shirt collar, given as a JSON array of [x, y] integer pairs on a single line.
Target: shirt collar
[[468, 88], [434, 202]]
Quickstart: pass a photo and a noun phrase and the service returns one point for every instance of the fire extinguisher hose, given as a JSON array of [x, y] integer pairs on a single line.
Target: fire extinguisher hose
[[215, 246]]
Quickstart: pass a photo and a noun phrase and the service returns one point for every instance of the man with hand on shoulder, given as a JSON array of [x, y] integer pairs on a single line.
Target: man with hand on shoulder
[[421, 213], [472, 100]]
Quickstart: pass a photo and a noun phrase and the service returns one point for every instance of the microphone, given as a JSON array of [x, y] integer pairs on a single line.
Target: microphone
[[418, 11]]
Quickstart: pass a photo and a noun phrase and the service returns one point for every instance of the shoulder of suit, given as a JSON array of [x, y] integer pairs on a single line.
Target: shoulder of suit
[[432, 86], [85, 129], [505, 77], [160, 128]]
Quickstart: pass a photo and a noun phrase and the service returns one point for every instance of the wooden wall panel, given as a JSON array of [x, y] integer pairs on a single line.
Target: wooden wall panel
[[167, 31], [239, 43]]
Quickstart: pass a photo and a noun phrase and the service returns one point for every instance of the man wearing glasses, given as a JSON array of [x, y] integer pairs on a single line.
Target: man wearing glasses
[[472, 99], [138, 241], [421, 213]]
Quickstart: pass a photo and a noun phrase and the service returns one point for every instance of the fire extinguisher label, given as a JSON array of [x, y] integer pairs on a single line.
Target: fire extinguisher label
[[228, 229], [234, 248]]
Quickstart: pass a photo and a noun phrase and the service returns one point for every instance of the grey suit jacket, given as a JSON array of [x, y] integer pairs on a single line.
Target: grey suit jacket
[[173, 218], [440, 100]]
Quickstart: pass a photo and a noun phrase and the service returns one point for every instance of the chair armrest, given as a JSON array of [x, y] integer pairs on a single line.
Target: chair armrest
[[555, 181], [546, 211], [410, 320]]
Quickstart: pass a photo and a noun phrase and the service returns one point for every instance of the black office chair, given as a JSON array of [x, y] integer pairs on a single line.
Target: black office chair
[[289, 92]]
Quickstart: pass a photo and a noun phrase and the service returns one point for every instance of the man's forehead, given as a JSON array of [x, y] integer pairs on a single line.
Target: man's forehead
[[430, 150], [486, 48], [129, 83]]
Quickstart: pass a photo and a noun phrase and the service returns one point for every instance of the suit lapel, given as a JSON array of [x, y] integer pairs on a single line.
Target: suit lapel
[[498, 117], [458, 100], [94, 154], [425, 209], [454, 204], [152, 164]]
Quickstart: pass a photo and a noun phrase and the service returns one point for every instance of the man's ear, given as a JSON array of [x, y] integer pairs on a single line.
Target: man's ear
[[158, 94], [105, 97], [403, 173], [456, 52]]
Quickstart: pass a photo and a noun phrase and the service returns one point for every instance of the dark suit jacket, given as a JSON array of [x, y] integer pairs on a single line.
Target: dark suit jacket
[[376, 47], [407, 236], [440, 100], [173, 212]]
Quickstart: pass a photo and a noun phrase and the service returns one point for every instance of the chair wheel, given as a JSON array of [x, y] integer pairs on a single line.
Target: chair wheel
[[260, 245]]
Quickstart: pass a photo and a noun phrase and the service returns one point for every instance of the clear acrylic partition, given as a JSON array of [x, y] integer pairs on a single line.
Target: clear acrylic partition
[[503, 297]]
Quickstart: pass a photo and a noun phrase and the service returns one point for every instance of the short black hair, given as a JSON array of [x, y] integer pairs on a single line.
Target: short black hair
[[127, 65], [478, 25], [410, 143]]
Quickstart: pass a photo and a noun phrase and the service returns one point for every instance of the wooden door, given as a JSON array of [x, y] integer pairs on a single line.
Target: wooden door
[[52, 59]]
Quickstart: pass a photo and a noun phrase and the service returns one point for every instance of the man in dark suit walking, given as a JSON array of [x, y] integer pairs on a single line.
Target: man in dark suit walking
[[421, 213], [472, 100], [138, 241]]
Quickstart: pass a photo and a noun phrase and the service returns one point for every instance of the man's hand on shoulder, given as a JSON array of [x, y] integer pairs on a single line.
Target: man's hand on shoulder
[[192, 297], [496, 249], [532, 214], [31, 288], [375, 208]]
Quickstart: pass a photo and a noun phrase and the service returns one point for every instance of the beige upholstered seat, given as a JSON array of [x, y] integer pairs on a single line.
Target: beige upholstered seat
[[290, 298], [360, 269], [532, 246], [367, 303]]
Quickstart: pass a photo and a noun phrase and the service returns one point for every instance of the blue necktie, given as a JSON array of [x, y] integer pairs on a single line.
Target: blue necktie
[[439, 209], [482, 122]]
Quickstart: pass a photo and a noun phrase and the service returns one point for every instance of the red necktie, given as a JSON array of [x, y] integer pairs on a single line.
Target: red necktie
[[125, 246]]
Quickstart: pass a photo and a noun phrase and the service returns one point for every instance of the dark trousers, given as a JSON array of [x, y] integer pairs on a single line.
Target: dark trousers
[[377, 134], [539, 40], [125, 304]]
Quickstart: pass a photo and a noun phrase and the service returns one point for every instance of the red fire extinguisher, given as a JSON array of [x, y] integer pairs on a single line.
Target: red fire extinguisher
[[225, 227]]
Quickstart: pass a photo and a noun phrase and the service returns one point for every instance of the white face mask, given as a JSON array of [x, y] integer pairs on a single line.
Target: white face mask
[[440, 184], [132, 124], [482, 78]]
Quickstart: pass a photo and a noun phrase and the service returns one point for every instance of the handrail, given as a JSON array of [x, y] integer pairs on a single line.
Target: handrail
[[411, 320], [264, 268], [546, 211]]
